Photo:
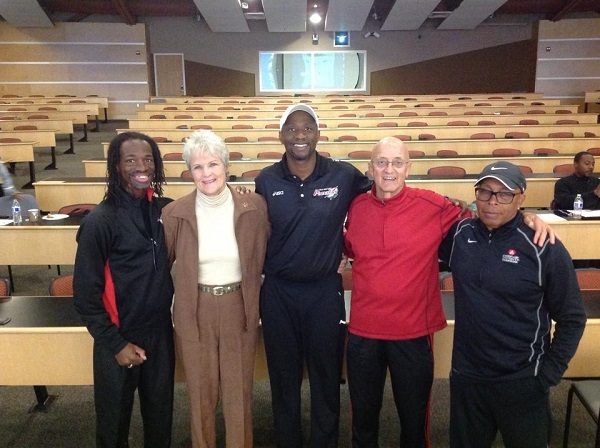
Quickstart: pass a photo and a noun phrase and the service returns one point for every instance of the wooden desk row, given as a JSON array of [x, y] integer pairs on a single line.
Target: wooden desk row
[[54, 244], [40, 138], [472, 165], [101, 101], [363, 122], [56, 349], [464, 147], [415, 132], [75, 116], [342, 98], [53, 193], [375, 104], [389, 111], [17, 152], [90, 109], [59, 126], [20, 152], [591, 98]]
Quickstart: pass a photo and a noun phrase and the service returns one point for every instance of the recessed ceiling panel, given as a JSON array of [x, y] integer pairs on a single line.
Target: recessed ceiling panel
[[347, 15], [470, 13], [285, 15], [223, 15], [408, 14], [24, 13]]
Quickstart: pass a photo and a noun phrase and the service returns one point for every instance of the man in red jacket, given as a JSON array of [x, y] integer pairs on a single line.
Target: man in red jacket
[[393, 235]]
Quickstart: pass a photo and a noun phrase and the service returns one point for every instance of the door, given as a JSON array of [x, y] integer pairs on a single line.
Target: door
[[169, 74]]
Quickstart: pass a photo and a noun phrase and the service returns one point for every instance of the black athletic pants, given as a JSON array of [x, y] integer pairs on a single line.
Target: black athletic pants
[[518, 409], [410, 363], [115, 385], [301, 324]]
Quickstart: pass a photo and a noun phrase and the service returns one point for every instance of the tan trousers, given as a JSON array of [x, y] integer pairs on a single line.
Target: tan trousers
[[221, 360]]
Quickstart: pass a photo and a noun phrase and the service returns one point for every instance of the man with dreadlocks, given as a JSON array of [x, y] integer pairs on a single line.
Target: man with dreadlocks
[[123, 292]]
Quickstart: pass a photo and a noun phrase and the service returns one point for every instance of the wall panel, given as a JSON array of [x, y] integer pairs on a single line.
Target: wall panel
[[105, 59], [505, 68], [568, 59]]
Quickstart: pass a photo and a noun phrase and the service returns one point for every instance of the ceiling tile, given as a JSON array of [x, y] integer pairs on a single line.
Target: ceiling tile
[[24, 13], [285, 15], [408, 14], [347, 15], [470, 13], [223, 15]]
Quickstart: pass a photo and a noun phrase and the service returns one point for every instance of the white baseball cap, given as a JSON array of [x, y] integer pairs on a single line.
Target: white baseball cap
[[295, 107]]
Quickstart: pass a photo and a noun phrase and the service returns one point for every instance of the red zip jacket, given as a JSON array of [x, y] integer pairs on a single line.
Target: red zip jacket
[[394, 244]]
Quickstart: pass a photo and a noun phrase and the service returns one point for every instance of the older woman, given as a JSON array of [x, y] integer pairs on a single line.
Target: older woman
[[218, 238]]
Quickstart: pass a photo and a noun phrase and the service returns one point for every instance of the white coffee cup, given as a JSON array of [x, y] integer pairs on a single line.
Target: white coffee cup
[[34, 214]]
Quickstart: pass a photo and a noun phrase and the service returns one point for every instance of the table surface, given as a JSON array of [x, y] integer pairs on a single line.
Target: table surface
[[48, 311], [25, 311]]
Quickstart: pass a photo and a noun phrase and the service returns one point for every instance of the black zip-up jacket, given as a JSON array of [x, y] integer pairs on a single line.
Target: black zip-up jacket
[[122, 282], [507, 291]]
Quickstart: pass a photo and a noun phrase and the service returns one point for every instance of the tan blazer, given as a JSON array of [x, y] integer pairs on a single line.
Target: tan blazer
[[252, 230]]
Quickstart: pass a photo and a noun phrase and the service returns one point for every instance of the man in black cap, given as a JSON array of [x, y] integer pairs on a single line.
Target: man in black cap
[[507, 292]]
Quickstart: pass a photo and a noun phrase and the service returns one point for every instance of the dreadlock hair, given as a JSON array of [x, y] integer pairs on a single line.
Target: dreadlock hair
[[113, 179]]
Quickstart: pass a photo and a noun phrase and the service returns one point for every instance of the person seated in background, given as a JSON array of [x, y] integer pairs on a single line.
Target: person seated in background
[[8, 193], [8, 186], [582, 182]]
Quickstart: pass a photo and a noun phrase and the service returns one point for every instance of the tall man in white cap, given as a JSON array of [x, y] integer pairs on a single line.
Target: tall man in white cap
[[507, 292], [302, 299]]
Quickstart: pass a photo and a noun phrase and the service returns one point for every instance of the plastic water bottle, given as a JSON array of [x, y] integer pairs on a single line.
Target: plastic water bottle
[[16, 211], [577, 207]]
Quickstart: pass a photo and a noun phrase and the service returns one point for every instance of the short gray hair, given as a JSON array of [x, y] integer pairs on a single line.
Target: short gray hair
[[205, 142]]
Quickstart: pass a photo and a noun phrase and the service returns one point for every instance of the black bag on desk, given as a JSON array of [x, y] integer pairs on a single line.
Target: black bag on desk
[[79, 212]]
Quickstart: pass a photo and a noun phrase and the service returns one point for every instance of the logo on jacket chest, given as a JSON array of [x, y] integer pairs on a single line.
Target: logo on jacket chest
[[328, 193], [511, 257]]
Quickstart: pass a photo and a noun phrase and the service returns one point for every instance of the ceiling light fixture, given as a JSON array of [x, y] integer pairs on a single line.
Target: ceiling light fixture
[[315, 18]]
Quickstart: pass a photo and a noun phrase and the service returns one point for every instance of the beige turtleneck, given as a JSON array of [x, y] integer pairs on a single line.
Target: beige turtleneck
[[218, 256]]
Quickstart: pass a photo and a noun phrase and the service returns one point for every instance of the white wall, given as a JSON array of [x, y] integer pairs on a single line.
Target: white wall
[[392, 49]]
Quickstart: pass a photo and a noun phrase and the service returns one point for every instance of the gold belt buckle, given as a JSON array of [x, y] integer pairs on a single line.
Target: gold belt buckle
[[218, 290]]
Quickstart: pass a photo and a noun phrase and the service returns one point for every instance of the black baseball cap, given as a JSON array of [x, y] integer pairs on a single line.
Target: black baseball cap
[[509, 174]]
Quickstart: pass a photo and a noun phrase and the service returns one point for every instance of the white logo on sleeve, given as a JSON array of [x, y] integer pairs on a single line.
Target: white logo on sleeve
[[277, 193]]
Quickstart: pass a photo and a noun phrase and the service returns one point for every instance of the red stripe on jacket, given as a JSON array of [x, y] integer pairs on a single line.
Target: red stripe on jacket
[[109, 297]]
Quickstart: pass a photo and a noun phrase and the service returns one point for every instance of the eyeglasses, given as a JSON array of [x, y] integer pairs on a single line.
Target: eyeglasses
[[382, 164], [503, 197]]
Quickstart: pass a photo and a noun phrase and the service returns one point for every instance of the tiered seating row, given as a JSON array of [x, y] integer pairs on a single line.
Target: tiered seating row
[[430, 148], [415, 133], [335, 98]]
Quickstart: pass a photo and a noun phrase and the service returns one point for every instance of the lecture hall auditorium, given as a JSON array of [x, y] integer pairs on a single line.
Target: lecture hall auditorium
[[462, 83]]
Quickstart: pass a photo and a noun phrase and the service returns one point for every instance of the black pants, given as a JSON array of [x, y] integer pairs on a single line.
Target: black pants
[[114, 389], [519, 409], [301, 323], [410, 363]]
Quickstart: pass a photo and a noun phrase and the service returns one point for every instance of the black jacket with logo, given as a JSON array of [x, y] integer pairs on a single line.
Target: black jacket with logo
[[507, 291]]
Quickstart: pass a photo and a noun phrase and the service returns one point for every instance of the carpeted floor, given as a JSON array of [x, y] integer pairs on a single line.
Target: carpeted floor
[[70, 421]]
